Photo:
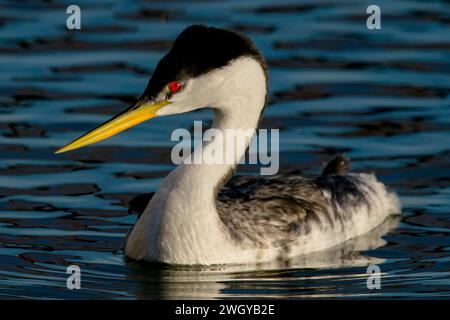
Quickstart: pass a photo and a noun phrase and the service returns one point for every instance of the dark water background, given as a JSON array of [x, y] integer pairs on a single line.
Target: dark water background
[[382, 97]]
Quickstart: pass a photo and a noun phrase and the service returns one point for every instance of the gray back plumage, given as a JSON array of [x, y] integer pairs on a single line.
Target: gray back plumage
[[275, 211]]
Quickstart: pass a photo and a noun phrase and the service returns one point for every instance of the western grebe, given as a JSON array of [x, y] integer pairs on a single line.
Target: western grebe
[[196, 217]]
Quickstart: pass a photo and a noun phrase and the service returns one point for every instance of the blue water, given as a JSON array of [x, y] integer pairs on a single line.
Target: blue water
[[382, 97]]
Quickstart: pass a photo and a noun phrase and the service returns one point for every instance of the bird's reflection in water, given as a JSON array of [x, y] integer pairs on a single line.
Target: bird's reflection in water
[[159, 281]]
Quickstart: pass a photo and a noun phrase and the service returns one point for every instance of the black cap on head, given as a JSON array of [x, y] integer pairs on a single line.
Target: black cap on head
[[198, 50]]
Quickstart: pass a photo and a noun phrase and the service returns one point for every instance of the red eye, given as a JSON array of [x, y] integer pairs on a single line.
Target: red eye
[[175, 86]]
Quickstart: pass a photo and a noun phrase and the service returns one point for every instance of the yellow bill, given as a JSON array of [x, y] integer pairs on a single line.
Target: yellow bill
[[129, 118]]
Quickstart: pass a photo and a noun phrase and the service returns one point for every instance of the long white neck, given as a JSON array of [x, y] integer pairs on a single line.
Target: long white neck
[[181, 222]]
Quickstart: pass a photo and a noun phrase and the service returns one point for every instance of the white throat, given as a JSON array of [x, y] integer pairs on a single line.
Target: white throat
[[181, 223]]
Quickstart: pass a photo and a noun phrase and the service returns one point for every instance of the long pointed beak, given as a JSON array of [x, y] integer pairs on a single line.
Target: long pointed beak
[[127, 119]]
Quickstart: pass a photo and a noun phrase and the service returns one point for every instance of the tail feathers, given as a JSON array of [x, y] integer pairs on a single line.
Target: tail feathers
[[380, 195]]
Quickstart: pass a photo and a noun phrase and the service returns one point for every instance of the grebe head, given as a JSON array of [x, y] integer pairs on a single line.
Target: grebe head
[[205, 67]]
